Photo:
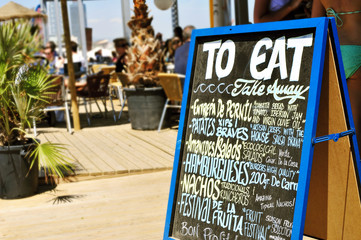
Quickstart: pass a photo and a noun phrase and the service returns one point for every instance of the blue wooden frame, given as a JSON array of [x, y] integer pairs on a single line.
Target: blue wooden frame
[[321, 26]]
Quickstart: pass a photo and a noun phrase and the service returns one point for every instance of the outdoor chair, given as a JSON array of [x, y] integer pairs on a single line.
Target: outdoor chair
[[96, 68], [78, 72], [171, 83], [104, 68], [108, 69], [57, 101], [114, 83], [96, 89], [122, 82]]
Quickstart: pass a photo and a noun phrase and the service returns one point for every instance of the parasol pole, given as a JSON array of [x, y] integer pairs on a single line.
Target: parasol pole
[[211, 17], [175, 14], [58, 32], [71, 82]]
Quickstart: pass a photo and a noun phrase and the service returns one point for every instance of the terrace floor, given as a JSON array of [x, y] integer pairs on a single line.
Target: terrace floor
[[120, 190]]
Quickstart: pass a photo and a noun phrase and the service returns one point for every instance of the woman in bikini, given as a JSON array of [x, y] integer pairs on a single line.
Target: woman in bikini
[[348, 19]]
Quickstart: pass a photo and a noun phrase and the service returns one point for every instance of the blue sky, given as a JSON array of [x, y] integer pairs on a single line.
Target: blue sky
[[108, 13], [105, 16]]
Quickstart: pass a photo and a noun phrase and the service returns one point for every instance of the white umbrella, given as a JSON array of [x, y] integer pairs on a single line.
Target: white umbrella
[[105, 52]]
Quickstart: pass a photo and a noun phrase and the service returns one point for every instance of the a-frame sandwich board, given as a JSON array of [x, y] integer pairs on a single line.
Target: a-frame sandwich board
[[196, 205], [334, 209]]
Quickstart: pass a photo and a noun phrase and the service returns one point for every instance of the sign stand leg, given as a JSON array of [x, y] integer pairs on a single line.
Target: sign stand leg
[[333, 209]]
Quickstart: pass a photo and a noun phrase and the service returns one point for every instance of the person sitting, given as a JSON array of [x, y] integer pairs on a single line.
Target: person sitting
[[114, 57], [171, 46], [99, 56], [77, 57], [53, 65], [79, 68], [348, 19], [53, 61], [78, 63], [52, 46]]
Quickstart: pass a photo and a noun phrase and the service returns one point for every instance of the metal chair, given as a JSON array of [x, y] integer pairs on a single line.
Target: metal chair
[[123, 81], [95, 89], [57, 101], [116, 84], [171, 83]]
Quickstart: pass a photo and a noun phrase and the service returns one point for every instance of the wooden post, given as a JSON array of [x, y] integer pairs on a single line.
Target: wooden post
[[71, 82], [211, 18], [220, 13]]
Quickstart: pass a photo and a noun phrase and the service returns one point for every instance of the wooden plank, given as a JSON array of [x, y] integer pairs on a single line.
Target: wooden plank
[[134, 157], [107, 155], [80, 168], [125, 157], [93, 153], [166, 136], [162, 144], [89, 154], [139, 153], [148, 145], [89, 166], [154, 154]]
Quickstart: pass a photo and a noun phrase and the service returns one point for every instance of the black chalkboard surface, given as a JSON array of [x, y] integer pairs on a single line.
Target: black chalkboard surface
[[241, 139]]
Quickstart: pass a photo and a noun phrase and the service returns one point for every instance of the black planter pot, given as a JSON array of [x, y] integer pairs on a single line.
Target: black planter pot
[[145, 106], [16, 181]]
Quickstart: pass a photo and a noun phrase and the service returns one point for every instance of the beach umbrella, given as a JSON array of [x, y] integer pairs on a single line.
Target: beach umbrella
[[13, 10]]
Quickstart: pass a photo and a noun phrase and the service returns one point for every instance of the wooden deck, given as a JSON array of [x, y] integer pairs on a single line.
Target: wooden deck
[[130, 207], [126, 198], [107, 148]]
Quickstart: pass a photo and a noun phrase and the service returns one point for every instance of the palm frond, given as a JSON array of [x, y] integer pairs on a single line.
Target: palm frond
[[51, 157]]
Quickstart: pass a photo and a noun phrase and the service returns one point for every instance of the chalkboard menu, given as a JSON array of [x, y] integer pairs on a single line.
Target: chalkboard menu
[[243, 136], [244, 152]]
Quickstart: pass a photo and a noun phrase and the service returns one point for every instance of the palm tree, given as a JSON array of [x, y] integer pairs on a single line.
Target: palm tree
[[24, 87], [144, 57]]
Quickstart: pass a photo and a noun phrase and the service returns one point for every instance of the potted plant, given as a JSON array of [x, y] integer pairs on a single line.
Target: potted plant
[[145, 97], [23, 89]]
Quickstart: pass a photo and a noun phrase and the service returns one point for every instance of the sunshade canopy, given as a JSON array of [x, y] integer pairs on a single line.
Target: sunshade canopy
[[13, 10]]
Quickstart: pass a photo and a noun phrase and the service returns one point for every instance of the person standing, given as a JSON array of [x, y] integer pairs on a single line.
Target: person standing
[[347, 14], [178, 32], [181, 53], [77, 57], [277, 10], [121, 45]]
